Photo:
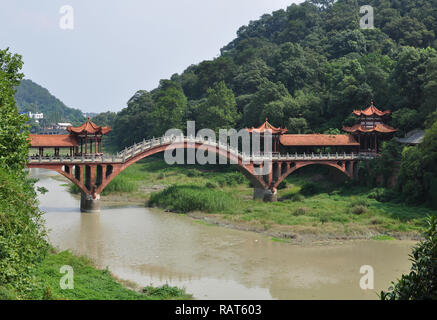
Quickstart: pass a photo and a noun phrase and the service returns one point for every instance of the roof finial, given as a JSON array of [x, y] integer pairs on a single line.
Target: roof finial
[[267, 119], [88, 118]]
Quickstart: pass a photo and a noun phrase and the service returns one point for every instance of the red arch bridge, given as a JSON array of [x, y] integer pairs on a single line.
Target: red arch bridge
[[93, 173]]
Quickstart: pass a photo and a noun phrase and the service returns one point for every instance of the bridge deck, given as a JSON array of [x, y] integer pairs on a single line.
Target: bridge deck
[[136, 149]]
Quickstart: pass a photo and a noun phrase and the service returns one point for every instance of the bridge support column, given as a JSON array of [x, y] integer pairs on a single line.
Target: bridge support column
[[265, 195], [88, 203]]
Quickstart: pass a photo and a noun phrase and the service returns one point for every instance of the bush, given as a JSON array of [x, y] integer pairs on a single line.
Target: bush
[[211, 185], [22, 232], [359, 202], [421, 282], [187, 198], [230, 179], [300, 211], [358, 209], [383, 195], [310, 189], [164, 292], [297, 197], [282, 185]]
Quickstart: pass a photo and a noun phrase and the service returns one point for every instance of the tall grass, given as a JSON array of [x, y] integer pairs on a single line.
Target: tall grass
[[119, 184], [187, 198]]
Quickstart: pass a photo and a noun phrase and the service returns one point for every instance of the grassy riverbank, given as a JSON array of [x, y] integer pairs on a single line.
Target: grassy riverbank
[[89, 282], [310, 204]]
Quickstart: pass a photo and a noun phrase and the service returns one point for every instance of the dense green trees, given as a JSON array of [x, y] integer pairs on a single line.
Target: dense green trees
[[22, 243], [421, 282], [32, 97], [305, 68], [418, 173], [308, 67]]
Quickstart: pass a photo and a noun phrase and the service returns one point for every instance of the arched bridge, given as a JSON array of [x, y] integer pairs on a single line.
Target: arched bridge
[[93, 173]]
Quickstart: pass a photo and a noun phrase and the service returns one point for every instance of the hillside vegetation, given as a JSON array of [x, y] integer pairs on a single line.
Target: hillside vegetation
[[30, 96], [307, 68]]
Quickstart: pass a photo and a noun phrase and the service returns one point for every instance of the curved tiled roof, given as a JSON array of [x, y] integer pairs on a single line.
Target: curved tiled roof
[[372, 110], [266, 126], [52, 140], [290, 140], [90, 128], [380, 127]]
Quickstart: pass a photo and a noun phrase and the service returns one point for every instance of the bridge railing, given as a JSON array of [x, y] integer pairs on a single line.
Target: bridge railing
[[138, 148]]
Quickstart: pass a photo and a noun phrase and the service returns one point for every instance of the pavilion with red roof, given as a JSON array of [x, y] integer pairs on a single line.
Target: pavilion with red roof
[[371, 130], [83, 140]]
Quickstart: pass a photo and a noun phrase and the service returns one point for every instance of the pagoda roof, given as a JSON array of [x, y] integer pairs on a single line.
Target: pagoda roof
[[304, 140], [379, 127], [52, 140], [89, 127], [370, 111], [266, 126]]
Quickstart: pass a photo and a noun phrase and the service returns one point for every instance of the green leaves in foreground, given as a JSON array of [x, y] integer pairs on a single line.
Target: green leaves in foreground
[[421, 282]]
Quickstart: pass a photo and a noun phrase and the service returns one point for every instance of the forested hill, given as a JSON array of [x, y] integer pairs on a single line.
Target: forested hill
[[305, 68], [32, 97]]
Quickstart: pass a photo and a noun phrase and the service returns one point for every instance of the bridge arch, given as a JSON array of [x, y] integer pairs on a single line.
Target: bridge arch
[[248, 169], [345, 167]]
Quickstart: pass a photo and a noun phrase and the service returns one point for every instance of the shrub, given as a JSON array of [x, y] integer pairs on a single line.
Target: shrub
[[359, 202], [297, 197], [358, 209], [22, 232], [230, 179], [74, 189], [300, 211], [211, 185], [164, 292], [383, 195], [421, 282], [282, 185], [187, 198], [310, 189]]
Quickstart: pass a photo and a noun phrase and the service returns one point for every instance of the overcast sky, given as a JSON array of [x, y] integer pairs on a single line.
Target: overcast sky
[[119, 47]]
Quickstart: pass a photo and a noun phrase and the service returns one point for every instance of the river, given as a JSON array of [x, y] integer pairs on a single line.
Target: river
[[149, 246]]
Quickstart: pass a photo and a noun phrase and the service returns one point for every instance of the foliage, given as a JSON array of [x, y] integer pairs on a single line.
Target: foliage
[[309, 189], [305, 68], [34, 98], [22, 233], [90, 283], [421, 282], [418, 173], [187, 198]]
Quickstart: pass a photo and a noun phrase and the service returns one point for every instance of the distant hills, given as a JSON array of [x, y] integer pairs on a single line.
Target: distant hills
[[30, 96]]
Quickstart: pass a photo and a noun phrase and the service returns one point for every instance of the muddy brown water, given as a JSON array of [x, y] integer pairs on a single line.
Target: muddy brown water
[[153, 247]]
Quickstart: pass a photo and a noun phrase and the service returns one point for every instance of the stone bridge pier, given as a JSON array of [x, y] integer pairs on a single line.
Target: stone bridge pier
[[88, 203]]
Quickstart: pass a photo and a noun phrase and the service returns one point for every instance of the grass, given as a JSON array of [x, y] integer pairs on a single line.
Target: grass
[[382, 237], [90, 283], [329, 208], [187, 198], [120, 184]]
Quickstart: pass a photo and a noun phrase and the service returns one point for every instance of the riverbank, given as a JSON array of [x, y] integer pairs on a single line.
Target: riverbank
[[311, 205], [89, 283]]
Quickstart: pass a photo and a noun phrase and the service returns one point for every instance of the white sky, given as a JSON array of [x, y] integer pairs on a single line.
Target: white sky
[[119, 47]]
